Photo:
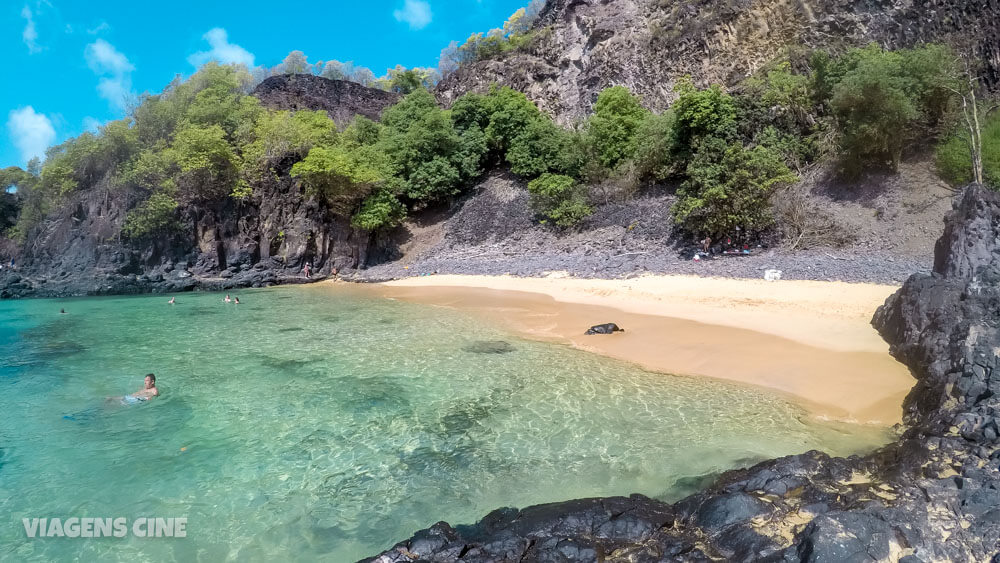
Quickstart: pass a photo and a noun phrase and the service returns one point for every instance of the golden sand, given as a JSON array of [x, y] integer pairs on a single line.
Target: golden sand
[[811, 341]]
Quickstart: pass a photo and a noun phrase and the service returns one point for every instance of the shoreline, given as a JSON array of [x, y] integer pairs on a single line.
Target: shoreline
[[808, 341]]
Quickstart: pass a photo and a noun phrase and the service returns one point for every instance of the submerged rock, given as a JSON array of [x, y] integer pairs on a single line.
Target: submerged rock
[[489, 347], [933, 495]]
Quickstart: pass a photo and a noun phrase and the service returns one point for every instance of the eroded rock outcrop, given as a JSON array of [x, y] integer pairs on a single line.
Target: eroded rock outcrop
[[583, 46], [263, 240], [933, 495], [341, 99]]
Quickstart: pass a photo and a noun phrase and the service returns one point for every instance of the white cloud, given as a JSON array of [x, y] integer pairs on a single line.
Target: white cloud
[[115, 71], [29, 35], [102, 27], [416, 13], [31, 132], [222, 50]]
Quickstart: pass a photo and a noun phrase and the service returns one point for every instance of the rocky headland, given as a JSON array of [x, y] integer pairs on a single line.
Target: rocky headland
[[933, 495]]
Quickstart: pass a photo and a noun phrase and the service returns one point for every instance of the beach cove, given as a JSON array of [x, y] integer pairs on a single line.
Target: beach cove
[[810, 341]]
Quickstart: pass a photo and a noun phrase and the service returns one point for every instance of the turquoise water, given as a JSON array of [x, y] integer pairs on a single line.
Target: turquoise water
[[310, 424]]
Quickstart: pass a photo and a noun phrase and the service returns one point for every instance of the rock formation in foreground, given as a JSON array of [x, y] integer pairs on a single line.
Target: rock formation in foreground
[[933, 495]]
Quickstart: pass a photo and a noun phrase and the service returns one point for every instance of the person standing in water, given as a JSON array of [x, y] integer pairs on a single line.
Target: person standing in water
[[237, 300], [227, 299]]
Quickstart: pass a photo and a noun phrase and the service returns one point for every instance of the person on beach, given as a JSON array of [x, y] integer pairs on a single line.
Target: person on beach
[[147, 392], [306, 269]]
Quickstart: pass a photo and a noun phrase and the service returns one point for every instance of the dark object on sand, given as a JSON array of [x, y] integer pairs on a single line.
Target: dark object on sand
[[606, 328]]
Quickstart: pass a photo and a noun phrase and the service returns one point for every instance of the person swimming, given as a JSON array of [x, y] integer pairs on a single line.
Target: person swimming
[[237, 301], [147, 392], [171, 301], [227, 299]]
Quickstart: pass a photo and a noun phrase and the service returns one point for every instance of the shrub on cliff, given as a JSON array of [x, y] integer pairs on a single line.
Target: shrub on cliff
[[516, 132], [341, 175], [652, 147], [207, 162], [730, 186], [699, 115], [156, 216], [380, 210], [617, 117], [954, 161], [559, 199], [426, 153], [884, 100]]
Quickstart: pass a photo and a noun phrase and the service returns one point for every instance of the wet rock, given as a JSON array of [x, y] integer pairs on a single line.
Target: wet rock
[[606, 328]]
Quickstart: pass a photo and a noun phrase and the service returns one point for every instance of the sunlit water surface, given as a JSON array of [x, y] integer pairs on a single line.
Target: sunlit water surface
[[310, 424]]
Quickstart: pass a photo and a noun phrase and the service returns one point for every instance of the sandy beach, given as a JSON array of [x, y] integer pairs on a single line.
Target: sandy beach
[[810, 341]]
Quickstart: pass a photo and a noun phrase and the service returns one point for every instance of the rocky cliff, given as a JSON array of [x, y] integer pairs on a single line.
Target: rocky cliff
[[584, 46], [341, 99], [265, 239], [933, 495]]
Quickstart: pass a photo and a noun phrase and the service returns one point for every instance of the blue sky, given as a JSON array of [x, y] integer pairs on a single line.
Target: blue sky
[[72, 60]]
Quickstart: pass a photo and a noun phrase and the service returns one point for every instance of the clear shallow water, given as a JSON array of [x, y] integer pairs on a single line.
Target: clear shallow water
[[322, 426]]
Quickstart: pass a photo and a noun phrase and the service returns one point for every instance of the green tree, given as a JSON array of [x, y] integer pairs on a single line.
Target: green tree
[[283, 134], [339, 175], [884, 100], [617, 116], [380, 210], [652, 147], [207, 162], [427, 154], [698, 115], [541, 146], [730, 187]]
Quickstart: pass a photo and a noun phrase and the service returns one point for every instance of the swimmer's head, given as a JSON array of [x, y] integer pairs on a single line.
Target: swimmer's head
[[150, 381]]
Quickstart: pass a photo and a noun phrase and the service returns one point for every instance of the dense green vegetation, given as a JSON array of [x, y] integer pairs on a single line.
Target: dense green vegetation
[[206, 142], [954, 162]]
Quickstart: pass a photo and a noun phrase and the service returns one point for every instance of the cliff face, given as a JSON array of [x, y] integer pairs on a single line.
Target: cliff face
[[266, 239], [583, 46], [341, 99], [934, 495]]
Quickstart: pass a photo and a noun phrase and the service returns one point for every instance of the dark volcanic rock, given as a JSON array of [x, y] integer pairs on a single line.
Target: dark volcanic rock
[[340, 98], [933, 495], [262, 241]]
